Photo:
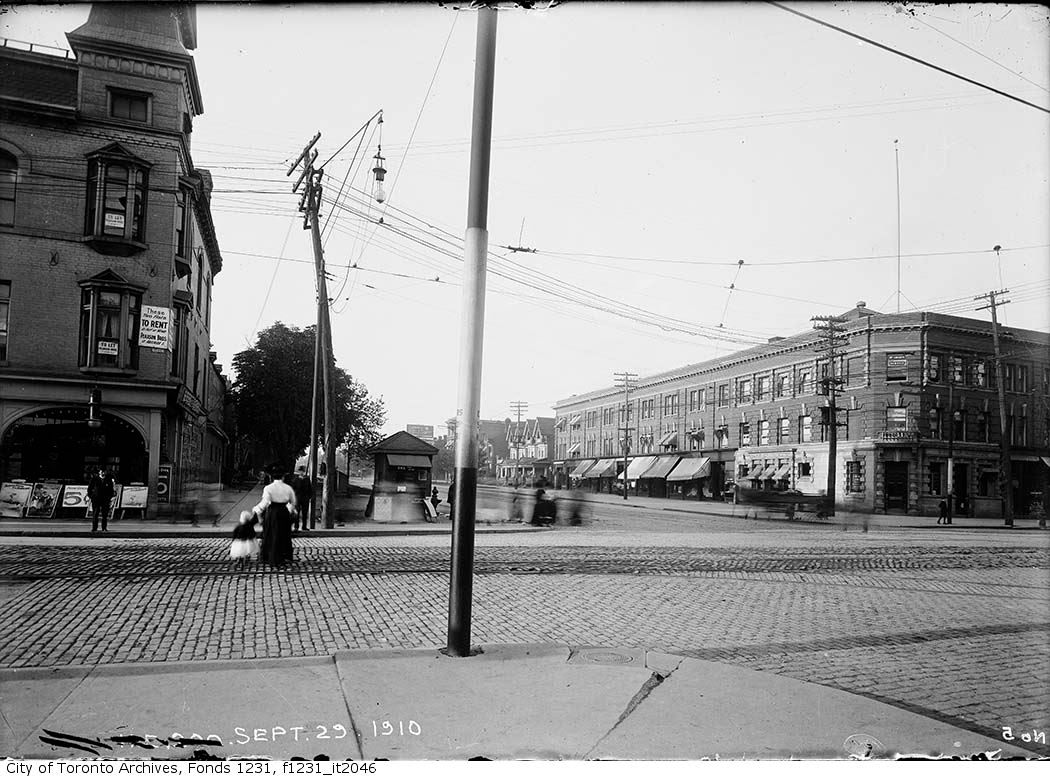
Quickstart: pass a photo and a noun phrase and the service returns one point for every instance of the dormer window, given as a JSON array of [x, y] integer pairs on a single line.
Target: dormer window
[[115, 221], [130, 106]]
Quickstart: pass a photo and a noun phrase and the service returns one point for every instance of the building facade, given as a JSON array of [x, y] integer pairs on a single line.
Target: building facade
[[108, 255], [916, 389], [528, 459]]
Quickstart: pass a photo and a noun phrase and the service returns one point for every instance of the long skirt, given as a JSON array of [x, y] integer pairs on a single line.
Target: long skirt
[[276, 547]]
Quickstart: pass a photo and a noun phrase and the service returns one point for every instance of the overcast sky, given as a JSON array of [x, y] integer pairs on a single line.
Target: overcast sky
[[642, 151]]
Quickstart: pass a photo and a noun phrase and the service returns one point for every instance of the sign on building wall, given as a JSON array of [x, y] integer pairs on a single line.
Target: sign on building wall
[[421, 431], [164, 483], [13, 499], [107, 347], [154, 327]]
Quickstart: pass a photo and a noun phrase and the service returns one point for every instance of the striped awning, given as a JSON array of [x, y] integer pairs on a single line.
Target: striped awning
[[783, 473], [691, 469], [661, 467], [582, 467], [636, 466], [602, 469], [574, 449]]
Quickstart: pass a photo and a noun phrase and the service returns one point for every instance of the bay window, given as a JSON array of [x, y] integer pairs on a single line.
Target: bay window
[[109, 326], [115, 219]]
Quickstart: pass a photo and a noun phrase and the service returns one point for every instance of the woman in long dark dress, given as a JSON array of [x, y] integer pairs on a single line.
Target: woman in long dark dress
[[276, 508]]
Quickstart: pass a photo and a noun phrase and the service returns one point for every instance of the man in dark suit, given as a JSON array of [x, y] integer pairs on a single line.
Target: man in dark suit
[[100, 492]]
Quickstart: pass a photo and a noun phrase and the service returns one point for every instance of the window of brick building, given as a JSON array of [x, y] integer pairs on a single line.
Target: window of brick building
[[745, 434], [979, 378], [933, 370], [5, 314], [762, 389], [109, 327], [854, 479], [743, 391], [935, 485], [805, 469], [132, 106], [803, 381], [958, 370], [982, 427], [8, 179], [116, 199], [783, 431], [805, 428], [896, 366], [763, 432]]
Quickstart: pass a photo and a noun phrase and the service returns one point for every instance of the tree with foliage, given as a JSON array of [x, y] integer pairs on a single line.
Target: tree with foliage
[[272, 398]]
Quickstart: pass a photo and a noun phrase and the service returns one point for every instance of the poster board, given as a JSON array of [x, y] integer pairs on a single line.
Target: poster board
[[13, 499], [75, 498], [131, 498], [154, 326], [43, 500]]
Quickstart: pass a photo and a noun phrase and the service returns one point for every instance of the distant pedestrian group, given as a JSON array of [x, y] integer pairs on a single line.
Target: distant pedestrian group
[[943, 516]]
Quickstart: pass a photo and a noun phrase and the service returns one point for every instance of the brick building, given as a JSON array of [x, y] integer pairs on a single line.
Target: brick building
[[913, 385], [107, 258]]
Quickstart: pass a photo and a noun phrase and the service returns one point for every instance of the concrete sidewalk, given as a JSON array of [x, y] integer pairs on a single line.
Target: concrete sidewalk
[[509, 702]]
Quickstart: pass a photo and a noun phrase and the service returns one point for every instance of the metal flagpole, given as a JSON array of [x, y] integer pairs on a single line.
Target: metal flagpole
[[461, 582]]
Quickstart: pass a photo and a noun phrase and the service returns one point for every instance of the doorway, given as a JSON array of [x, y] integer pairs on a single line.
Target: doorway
[[960, 483], [896, 479]]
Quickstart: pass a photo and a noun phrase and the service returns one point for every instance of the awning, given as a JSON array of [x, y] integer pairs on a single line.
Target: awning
[[783, 473], [407, 460], [1045, 460], [668, 438], [691, 469], [575, 420], [765, 474], [560, 423], [661, 467], [574, 449], [637, 466], [582, 467], [602, 469]]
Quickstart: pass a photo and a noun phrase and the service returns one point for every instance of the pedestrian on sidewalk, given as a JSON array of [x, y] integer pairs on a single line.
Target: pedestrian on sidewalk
[[304, 492], [516, 514], [452, 499], [276, 508], [942, 512], [244, 546], [100, 492]]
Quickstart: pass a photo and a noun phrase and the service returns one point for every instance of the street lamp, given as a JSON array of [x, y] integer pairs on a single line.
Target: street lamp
[[380, 173]]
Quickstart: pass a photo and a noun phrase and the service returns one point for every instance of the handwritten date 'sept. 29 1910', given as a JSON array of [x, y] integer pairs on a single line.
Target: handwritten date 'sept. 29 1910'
[[243, 736]]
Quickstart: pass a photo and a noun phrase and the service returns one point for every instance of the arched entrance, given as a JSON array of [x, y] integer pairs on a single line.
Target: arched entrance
[[56, 444]]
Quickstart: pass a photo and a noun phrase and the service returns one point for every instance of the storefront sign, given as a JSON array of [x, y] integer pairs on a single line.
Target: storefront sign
[[13, 499], [896, 361], [75, 497], [44, 500], [154, 327], [107, 347], [133, 497], [164, 484]]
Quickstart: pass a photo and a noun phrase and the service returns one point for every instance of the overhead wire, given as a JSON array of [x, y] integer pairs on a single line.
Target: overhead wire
[[924, 62]]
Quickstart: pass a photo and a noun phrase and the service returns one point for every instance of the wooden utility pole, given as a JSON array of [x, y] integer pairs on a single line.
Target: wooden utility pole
[[831, 327], [310, 204], [1006, 488], [625, 379]]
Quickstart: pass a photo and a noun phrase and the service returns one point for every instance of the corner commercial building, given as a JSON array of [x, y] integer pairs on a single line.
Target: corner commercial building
[[915, 385], [108, 254]]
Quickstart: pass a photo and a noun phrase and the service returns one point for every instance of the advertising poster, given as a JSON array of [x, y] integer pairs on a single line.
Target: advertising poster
[[164, 484], [75, 498], [154, 324], [13, 499], [133, 497], [43, 500]]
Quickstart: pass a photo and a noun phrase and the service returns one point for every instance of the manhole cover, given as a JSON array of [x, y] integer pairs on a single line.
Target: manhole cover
[[608, 657]]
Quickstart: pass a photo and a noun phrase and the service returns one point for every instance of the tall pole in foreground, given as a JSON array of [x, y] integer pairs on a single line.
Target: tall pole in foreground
[[1006, 476], [461, 583], [626, 377], [311, 471]]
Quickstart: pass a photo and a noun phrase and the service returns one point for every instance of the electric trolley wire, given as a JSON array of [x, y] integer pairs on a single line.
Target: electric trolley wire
[[908, 56]]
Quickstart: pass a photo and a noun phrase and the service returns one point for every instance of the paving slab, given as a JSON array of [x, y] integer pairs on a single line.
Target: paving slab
[[28, 697], [510, 702], [264, 708], [709, 710]]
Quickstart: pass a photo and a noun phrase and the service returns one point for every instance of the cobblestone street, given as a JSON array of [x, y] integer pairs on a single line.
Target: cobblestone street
[[952, 627]]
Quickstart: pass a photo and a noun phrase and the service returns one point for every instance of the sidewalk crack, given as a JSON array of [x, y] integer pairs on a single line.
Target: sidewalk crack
[[651, 683]]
